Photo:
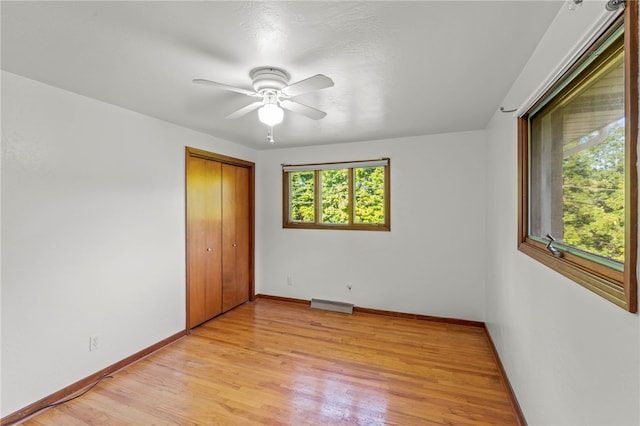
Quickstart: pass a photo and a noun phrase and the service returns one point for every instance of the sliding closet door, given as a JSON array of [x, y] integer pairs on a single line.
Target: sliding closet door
[[220, 238], [235, 236], [204, 224]]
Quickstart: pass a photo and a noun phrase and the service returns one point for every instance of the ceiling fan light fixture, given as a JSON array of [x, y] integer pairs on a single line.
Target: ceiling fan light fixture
[[272, 86], [271, 114]]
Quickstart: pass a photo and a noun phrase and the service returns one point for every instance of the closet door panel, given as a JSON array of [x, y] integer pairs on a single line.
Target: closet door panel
[[228, 236], [243, 237], [235, 236], [203, 236], [196, 238], [213, 297]]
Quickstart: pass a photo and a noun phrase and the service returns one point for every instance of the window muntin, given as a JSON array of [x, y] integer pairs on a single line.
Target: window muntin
[[353, 195], [577, 150]]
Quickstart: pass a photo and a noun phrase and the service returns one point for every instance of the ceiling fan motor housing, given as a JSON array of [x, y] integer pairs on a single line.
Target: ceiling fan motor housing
[[269, 79]]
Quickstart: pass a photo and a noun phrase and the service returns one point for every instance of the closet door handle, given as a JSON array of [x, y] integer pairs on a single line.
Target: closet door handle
[[208, 248], [235, 245]]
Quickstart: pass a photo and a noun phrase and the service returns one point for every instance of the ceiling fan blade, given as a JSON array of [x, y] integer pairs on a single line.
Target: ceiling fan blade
[[310, 84], [298, 108], [224, 86], [244, 110]]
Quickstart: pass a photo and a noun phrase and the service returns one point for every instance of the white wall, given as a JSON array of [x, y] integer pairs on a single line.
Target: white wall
[[92, 235], [572, 357], [433, 260]]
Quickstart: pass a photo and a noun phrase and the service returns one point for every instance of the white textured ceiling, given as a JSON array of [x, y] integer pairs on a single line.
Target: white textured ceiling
[[400, 68]]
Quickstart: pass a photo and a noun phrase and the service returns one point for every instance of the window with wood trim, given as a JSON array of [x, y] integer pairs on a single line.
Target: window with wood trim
[[347, 195], [577, 168]]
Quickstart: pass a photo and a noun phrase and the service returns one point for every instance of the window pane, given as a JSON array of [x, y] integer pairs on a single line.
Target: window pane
[[301, 187], [369, 195], [593, 191], [577, 161], [335, 196], [345, 196]]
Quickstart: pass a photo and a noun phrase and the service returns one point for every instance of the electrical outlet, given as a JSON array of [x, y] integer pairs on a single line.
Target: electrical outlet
[[94, 343], [289, 280]]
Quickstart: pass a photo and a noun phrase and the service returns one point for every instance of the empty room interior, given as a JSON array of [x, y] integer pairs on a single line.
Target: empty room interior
[[319, 212]]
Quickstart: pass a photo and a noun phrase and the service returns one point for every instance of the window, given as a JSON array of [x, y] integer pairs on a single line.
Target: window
[[577, 168], [353, 195]]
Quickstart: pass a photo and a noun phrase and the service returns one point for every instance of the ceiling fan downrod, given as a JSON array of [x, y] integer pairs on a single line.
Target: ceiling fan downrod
[[270, 138]]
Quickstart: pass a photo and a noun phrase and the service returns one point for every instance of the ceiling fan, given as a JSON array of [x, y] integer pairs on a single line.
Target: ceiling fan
[[272, 86]]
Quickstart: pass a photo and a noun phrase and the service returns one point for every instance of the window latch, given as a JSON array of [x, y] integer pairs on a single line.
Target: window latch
[[554, 251]]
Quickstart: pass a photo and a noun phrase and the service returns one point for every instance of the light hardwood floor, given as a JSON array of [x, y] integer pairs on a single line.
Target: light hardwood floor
[[280, 363]]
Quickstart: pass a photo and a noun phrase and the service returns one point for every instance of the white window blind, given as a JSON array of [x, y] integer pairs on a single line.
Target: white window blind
[[335, 166], [603, 21]]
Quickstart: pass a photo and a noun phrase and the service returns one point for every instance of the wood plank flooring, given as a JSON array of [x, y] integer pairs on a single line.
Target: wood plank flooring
[[280, 363]]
